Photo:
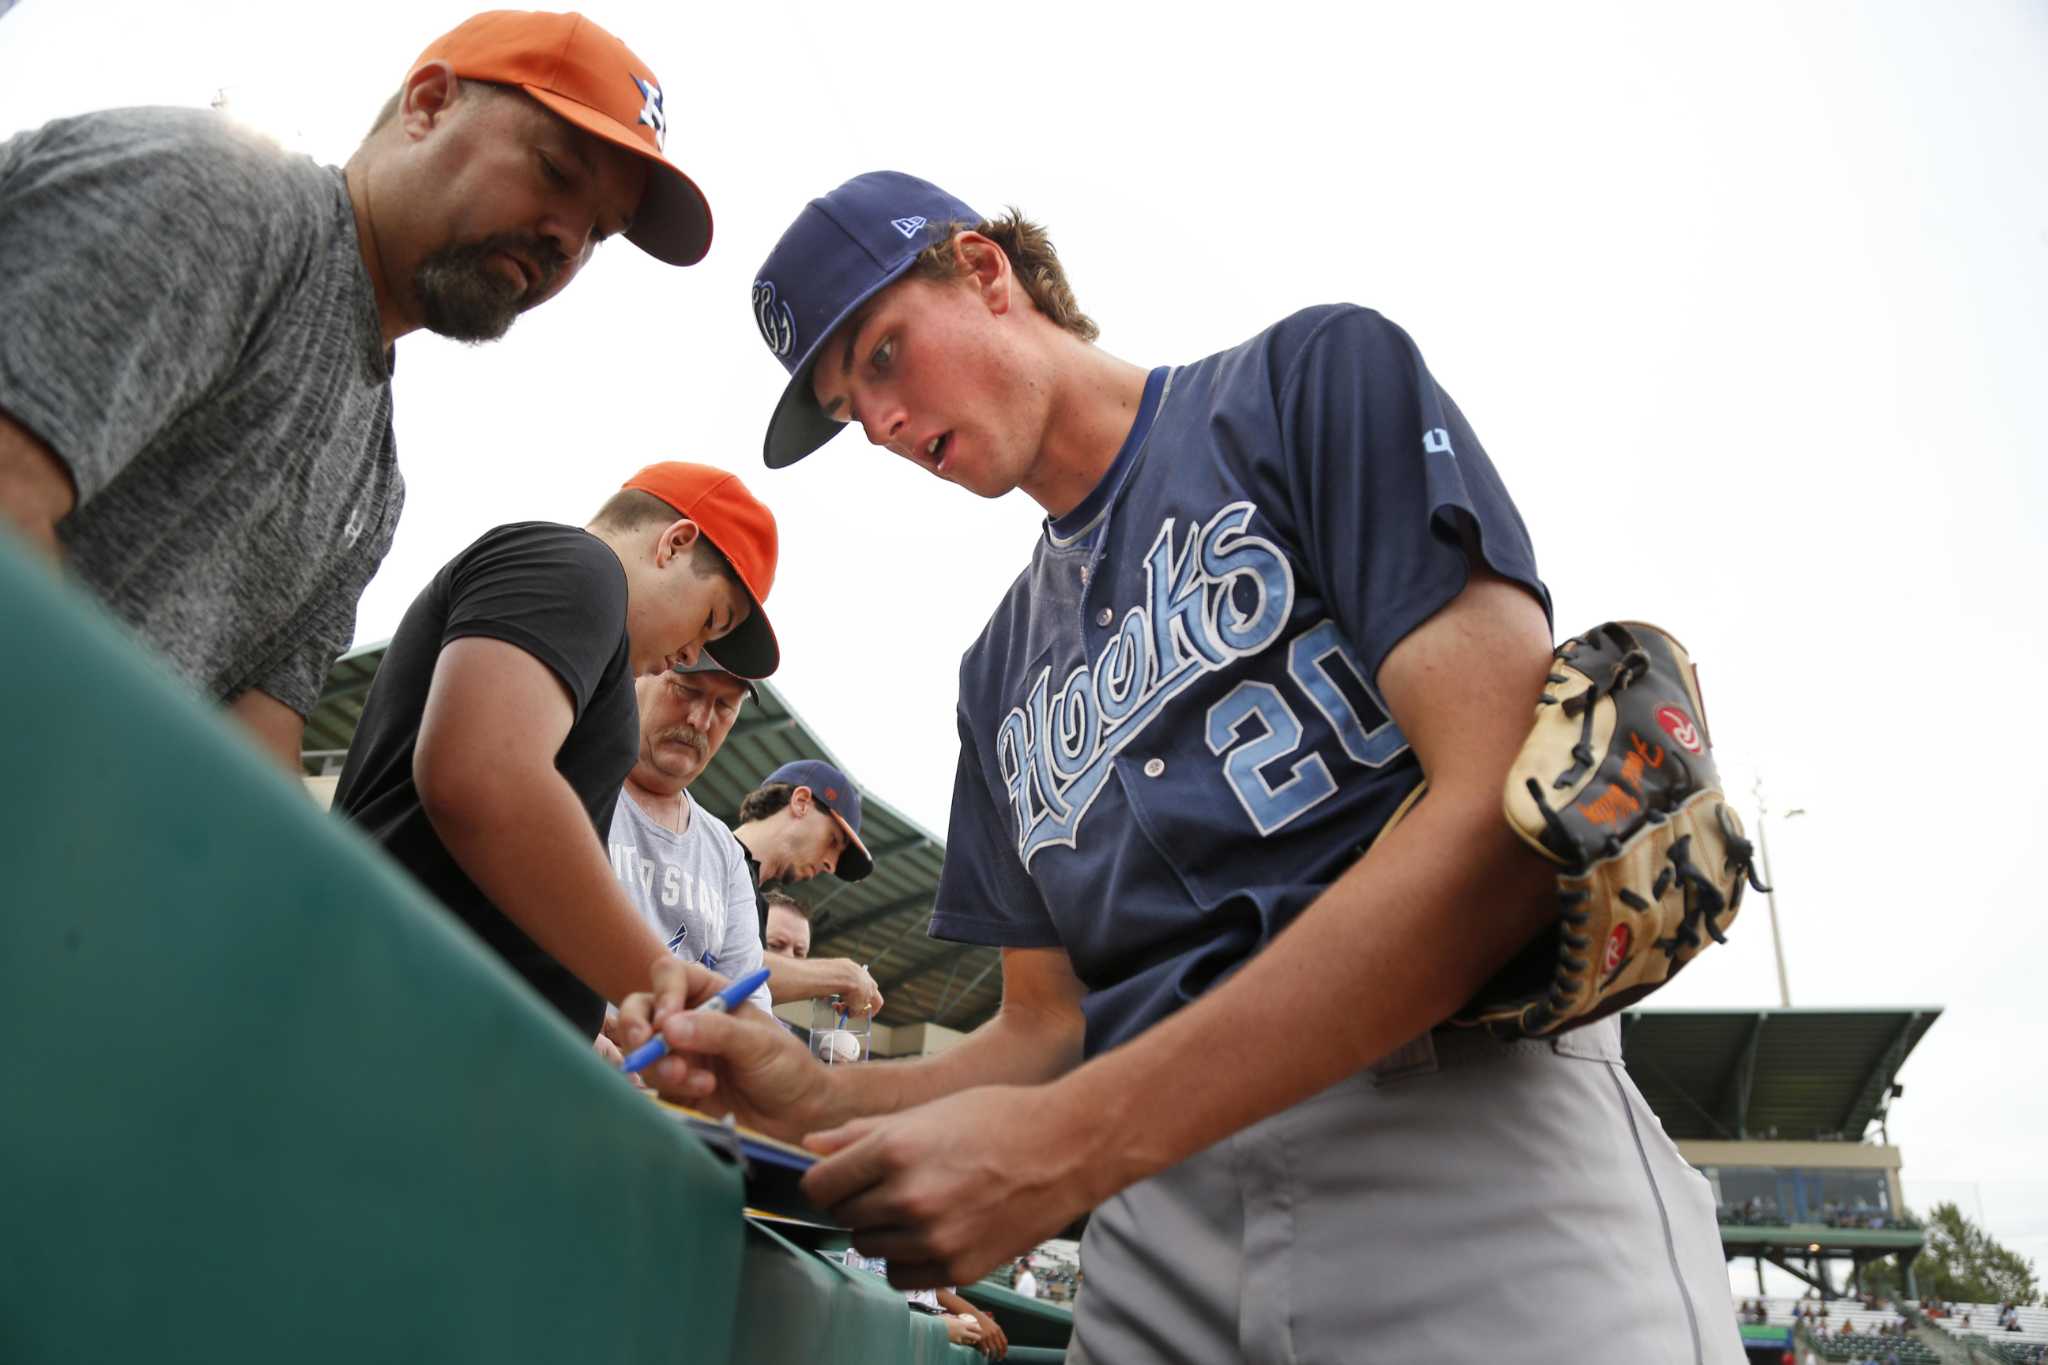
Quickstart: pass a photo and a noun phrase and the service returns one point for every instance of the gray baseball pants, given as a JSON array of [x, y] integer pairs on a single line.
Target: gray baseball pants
[[1464, 1200]]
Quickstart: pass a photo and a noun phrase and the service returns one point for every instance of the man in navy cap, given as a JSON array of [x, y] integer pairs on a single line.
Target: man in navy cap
[[803, 821]]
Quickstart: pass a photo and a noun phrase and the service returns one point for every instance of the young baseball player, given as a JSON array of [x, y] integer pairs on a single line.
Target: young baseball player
[[503, 721], [195, 365], [1277, 588]]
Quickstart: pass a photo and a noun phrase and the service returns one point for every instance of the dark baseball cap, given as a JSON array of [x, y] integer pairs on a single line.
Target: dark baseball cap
[[706, 664], [841, 251], [832, 790]]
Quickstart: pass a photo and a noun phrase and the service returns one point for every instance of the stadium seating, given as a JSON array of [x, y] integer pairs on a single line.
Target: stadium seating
[[1863, 1341], [1984, 1323]]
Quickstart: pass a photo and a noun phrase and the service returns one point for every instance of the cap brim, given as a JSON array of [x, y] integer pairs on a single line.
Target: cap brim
[[799, 426], [750, 652], [673, 222], [855, 863]]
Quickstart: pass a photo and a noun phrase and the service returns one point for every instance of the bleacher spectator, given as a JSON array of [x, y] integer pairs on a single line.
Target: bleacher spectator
[[1026, 1283]]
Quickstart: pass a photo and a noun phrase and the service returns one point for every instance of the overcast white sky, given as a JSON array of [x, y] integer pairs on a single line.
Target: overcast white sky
[[1748, 303]]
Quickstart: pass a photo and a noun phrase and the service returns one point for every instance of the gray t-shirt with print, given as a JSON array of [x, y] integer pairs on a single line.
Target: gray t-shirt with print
[[186, 321], [692, 887]]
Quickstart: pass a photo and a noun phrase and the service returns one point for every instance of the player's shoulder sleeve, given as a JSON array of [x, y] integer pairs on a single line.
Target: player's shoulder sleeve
[[985, 896], [140, 250], [556, 592], [1387, 488]]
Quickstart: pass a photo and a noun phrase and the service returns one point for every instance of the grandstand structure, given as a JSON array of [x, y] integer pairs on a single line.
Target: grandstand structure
[[1784, 1112]]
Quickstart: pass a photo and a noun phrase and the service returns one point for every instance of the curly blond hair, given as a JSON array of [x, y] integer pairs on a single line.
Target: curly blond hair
[[1032, 258]]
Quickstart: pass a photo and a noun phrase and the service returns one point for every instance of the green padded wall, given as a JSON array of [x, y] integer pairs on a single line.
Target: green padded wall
[[796, 1307], [262, 1100]]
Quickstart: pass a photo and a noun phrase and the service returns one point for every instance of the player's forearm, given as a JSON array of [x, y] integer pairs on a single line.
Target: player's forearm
[[1019, 1046], [527, 843], [1389, 951]]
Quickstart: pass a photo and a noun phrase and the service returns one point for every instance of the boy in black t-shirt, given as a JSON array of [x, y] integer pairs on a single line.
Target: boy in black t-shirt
[[502, 722]]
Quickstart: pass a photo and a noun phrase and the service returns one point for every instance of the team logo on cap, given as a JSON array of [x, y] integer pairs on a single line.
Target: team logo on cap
[[909, 227], [778, 324], [651, 113]]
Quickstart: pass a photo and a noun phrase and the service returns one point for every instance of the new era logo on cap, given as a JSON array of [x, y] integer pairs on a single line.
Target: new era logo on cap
[[909, 227]]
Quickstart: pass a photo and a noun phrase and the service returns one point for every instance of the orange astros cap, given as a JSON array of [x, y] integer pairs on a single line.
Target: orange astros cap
[[593, 80], [743, 529]]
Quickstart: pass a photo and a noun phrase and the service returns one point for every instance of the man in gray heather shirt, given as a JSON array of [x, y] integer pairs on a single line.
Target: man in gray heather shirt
[[196, 330]]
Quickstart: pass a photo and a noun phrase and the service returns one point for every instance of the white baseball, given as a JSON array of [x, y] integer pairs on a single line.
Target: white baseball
[[842, 1045]]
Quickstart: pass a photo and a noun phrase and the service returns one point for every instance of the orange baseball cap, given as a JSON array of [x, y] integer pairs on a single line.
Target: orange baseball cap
[[743, 529], [585, 75]]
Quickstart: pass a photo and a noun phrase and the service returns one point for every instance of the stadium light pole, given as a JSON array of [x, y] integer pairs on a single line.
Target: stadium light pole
[[1763, 846]]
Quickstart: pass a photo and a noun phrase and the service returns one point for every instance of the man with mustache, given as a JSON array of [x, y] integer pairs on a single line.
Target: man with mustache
[[692, 879], [678, 862], [195, 370]]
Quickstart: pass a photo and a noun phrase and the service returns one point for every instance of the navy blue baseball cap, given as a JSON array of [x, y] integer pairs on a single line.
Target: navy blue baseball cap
[[831, 789], [841, 251]]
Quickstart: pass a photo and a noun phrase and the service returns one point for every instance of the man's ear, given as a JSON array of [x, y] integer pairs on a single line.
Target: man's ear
[[428, 93], [799, 803], [983, 263], [679, 537]]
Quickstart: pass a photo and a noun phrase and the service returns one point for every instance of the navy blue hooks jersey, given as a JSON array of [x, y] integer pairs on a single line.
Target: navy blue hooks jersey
[[1170, 736]]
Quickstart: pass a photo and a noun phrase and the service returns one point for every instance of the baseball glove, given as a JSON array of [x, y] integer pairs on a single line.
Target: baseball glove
[[1616, 784]]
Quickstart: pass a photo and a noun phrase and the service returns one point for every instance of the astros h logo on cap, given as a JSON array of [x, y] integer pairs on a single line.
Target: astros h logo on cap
[[584, 75]]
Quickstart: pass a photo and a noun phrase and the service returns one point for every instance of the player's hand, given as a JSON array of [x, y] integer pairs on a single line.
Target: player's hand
[[740, 1064], [962, 1331], [856, 989], [948, 1190]]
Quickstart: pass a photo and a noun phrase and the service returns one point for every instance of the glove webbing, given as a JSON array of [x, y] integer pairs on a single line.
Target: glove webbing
[[1633, 664]]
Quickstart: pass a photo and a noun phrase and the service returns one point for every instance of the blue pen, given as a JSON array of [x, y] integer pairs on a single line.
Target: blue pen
[[725, 1002]]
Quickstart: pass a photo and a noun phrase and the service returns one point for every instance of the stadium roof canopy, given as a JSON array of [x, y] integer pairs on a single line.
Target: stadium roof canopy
[[880, 921], [1791, 1074]]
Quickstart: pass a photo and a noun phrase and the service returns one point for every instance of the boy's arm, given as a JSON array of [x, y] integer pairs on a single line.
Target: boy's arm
[[485, 769]]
